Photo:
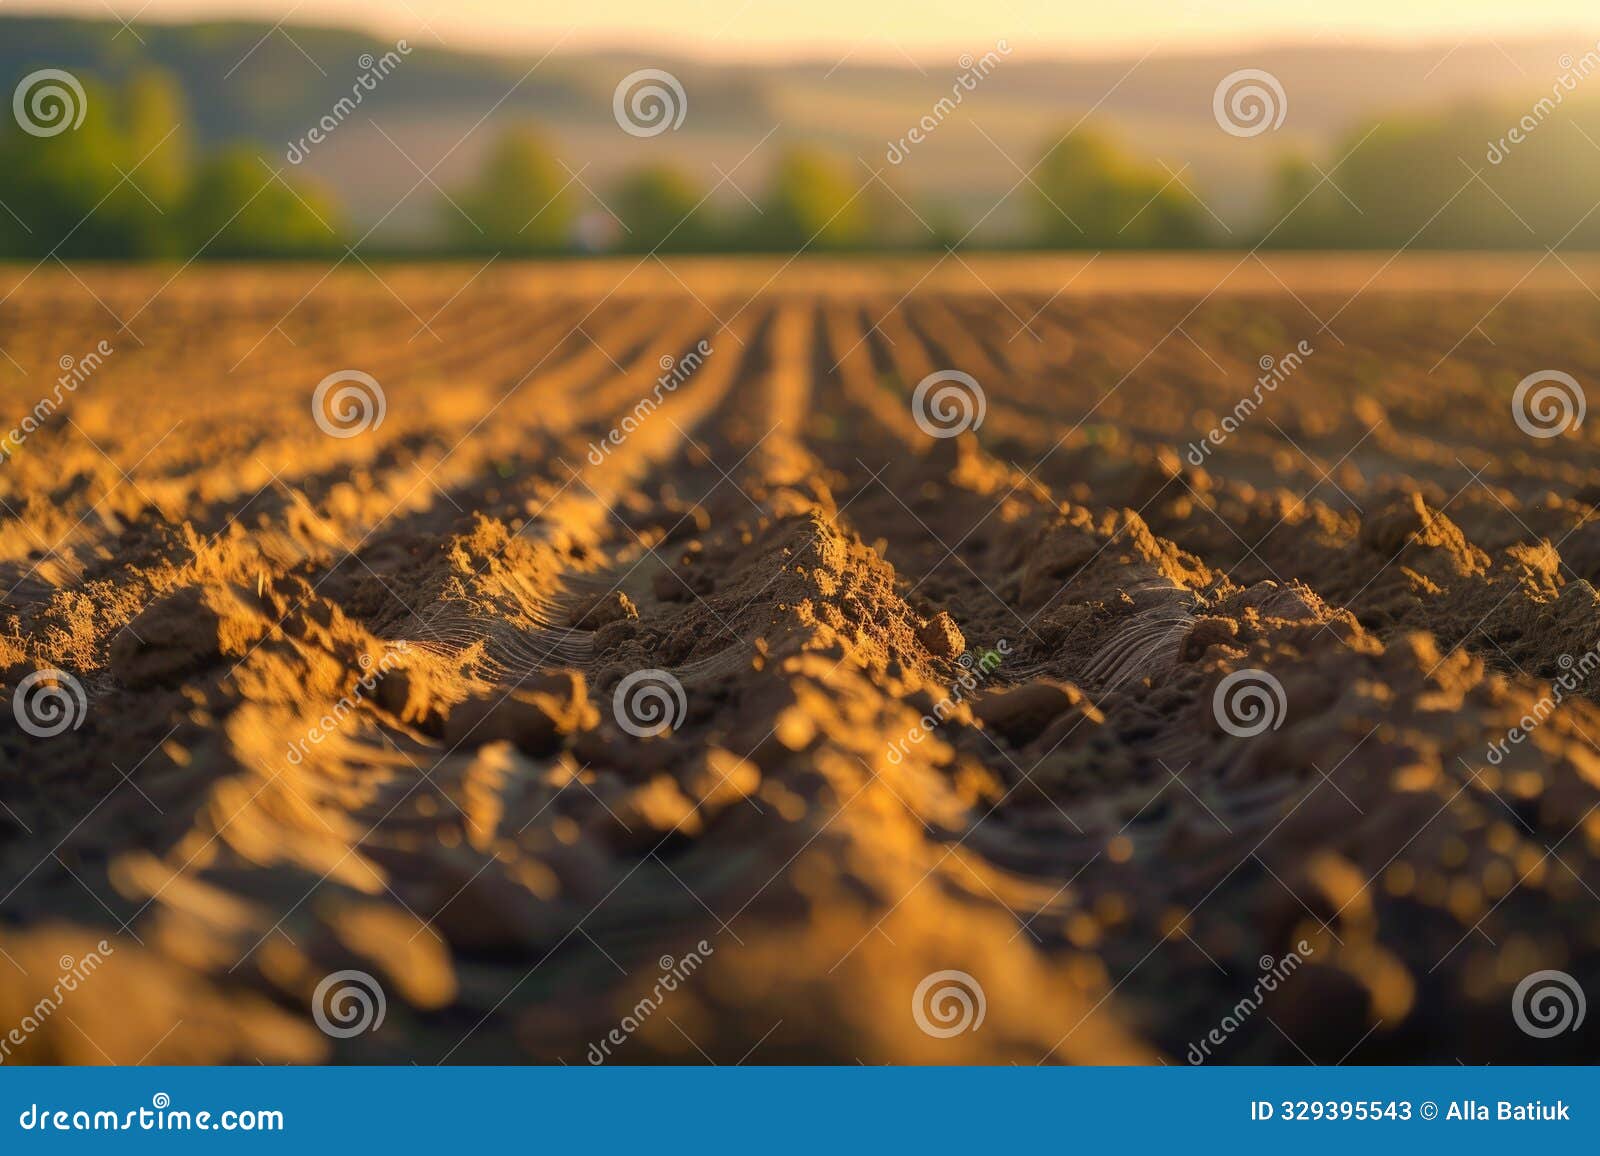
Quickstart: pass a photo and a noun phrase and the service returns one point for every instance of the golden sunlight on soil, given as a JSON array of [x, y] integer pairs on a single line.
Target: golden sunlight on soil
[[603, 657]]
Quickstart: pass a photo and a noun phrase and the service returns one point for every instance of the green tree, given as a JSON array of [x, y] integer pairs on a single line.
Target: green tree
[[1472, 176], [520, 200], [110, 187], [144, 209], [1306, 211], [56, 185], [661, 207], [154, 116], [812, 200], [1090, 194], [236, 208]]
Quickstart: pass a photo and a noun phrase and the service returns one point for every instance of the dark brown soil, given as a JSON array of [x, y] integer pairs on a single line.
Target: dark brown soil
[[353, 703]]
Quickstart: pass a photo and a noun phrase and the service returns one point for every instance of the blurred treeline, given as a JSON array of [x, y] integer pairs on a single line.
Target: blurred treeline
[[127, 184]]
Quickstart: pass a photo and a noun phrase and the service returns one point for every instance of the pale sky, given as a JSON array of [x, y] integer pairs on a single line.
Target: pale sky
[[884, 29]]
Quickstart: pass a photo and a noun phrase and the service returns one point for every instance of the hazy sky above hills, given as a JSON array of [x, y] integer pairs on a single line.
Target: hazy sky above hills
[[881, 29]]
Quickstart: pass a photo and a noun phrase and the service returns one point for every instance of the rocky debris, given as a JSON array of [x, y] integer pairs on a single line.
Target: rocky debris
[[604, 610], [173, 637], [1409, 527], [537, 716], [943, 637], [1020, 714], [1206, 633]]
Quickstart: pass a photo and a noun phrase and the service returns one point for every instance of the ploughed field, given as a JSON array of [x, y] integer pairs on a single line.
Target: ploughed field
[[645, 677]]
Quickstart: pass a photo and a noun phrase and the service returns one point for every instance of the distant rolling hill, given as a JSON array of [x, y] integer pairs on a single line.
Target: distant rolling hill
[[441, 106]]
